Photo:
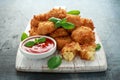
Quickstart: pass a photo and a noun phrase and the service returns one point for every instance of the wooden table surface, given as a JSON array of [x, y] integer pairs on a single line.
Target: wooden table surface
[[14, 17]]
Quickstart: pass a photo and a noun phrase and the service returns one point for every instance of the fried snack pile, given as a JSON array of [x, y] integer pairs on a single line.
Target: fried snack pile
[[70, 42]]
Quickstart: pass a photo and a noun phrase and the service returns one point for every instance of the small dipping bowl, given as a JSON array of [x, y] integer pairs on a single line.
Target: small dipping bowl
[[38, 51]]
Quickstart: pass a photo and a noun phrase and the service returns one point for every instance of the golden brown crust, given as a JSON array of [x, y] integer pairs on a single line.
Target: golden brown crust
[[34, 23], [45, 27], [83, 35], [78, 21], [41, 17], [75, 19], [60, 32], [87, 51], [58, 13], [32, 31], [87, 22], [61, 41]]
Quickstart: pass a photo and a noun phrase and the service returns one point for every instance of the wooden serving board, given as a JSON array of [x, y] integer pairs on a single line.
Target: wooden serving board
[[77, 65]]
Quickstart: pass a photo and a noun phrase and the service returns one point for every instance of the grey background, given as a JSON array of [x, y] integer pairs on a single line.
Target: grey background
[[15, 15]]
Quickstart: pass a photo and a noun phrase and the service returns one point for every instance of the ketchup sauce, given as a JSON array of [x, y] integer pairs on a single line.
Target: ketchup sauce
[[41, 47]]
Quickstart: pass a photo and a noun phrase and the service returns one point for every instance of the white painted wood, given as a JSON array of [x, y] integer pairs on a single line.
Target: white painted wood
[[77, 65]]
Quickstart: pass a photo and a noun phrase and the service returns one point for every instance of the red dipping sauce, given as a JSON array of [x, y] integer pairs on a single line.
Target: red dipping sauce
[[41, 47]]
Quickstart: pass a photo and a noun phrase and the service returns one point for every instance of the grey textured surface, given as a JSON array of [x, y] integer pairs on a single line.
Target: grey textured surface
[[15, 14]]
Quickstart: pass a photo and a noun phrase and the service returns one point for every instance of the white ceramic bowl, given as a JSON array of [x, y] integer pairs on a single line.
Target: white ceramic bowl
[[37, 56]]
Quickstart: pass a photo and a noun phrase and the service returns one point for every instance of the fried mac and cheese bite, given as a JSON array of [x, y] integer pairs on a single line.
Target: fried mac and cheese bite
[[88, 51], [45, 27], [70, 50], [83, 35]]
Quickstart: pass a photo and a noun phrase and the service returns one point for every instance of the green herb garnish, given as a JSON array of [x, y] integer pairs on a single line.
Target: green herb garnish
[[36, 41], [58, 24], [41, 40], [68, 25], [74, 12], [98, 47], [64, 20], [54, 62], [24, 36], [62, 23], [53, 19], [30, 44]]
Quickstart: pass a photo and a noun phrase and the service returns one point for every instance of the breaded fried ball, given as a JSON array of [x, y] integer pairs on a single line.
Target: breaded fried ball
[[70, 50], [75, 19], [61, 41], [87, 22], [88, 51], [58, 13], [60, 32], [78, 21], [45, 27], [83, 35]]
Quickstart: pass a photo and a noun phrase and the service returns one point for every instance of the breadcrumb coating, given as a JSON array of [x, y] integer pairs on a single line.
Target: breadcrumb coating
[[83, 35], [34, 23], [78, 21], [32, 31], [58, 13], [60, 32], [61, 41], [45, 27], [88, 51], [70, 50], [75, 19], [87, 22]]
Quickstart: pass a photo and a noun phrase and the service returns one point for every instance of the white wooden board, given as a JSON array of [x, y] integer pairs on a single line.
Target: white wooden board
[[77, 65]]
